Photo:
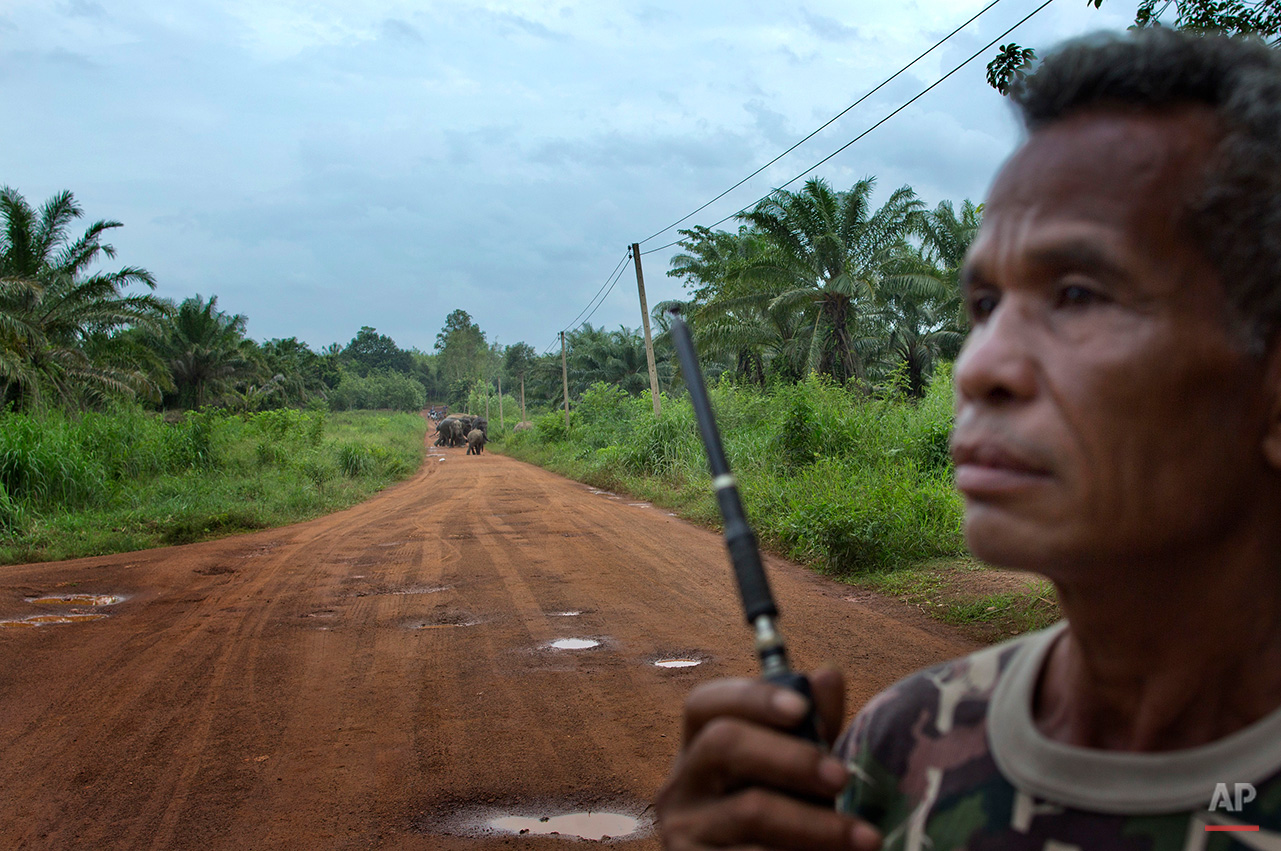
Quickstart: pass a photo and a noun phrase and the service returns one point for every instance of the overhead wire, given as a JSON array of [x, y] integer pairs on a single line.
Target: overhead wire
[[610, 282], [896, 111], [829, 123]]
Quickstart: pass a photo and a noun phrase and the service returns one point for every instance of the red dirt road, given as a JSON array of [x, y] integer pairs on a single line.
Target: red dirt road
[[381, 678]]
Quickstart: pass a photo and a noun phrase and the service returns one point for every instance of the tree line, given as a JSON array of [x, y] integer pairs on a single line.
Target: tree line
[[75, 337], [816, 280]]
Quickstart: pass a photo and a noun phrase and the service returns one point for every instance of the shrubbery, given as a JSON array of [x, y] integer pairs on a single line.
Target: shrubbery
[[102, 482], [851, 484], [381, 389]]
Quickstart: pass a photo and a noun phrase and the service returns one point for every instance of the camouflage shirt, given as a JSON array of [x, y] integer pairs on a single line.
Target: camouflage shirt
[[950, 758]]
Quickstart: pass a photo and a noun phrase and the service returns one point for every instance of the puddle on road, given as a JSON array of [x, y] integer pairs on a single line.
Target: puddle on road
[[574, 643], [572, 613], [46, 620], [640, 505], [91, 600], [678, 663], [592, 826], [420, 589]]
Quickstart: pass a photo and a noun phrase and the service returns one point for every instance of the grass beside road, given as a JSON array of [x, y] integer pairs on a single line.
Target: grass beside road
[[127, 480], [860, 490]]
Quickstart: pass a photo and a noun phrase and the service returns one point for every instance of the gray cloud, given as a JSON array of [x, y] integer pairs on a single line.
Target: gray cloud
[[397, 30], [348, 164], [829, 29]]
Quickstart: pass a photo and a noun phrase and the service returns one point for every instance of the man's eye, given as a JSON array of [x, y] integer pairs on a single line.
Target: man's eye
[[1075, 295], [982, 305]]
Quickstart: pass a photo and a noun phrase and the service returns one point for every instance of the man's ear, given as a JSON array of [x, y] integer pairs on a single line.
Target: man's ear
[[1272, 434]]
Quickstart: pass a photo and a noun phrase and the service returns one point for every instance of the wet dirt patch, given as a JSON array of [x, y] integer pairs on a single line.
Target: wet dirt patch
[[89, 600], [597, 821], [444, 620], [419, 589], [677, 659], [596, 827], [574, 644], [399, 591], [49, 620], [216, 569], [323, 613]]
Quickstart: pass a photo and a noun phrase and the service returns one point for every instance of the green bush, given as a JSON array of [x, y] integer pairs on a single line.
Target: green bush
[[128, 479], [850, 483], [12, 517], [355, 459], [378, 390]]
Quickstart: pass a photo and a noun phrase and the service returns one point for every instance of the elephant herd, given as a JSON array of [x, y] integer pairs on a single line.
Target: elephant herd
[[457, 429]]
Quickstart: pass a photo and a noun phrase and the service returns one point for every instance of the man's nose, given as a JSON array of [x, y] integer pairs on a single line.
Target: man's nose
[[997, 362]]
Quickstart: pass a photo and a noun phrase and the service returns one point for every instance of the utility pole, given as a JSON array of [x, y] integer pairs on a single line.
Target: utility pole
[[500, 401], [522, 397], [649, 342], [564, 377]]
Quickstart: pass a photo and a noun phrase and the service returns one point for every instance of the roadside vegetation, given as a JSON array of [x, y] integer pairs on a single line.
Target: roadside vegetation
[[859, 489], [126, 479]]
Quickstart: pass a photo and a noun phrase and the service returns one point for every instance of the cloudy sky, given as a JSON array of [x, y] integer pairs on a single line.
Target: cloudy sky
[[324, 165]]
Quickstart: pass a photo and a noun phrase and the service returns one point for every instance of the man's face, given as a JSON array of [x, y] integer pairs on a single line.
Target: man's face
[[1104, 411]]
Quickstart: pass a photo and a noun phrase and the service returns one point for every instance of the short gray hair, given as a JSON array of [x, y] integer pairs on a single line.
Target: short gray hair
[[1236, 214]]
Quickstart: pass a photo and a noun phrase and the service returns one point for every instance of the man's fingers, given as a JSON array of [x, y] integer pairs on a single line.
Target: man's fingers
[[750, 700], [828, 685], [758, 818], [731, 754]]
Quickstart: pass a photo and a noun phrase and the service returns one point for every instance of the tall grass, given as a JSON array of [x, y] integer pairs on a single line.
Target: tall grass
[[127, 479], [853, 485]]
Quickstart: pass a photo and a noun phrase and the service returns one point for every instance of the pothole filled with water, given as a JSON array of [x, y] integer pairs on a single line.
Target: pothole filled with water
[[574, 643], [678, 663], [592, 826], [569, 613], [91, 600], [47, 620]]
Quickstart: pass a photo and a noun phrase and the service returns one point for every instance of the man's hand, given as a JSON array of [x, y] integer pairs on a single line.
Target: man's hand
[[742, 781]]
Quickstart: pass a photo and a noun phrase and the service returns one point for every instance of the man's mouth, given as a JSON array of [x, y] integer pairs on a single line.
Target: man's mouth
[[986, 467]]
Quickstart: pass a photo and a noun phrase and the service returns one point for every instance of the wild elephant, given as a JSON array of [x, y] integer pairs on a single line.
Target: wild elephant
[[451, 432], [475, 441]]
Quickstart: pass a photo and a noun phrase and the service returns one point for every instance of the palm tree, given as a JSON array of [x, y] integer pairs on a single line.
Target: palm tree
[[615, 357], [50, 304], [207, 352], [831, 253], [945, 240], [923, 310], [730, 310]]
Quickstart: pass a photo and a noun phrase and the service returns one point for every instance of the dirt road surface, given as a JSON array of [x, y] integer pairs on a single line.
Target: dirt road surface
[[384, 677]]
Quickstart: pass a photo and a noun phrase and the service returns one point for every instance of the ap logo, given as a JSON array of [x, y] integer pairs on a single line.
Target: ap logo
[[1233, 801]]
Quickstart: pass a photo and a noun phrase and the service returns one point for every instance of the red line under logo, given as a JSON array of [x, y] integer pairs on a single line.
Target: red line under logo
[[1224, 828]]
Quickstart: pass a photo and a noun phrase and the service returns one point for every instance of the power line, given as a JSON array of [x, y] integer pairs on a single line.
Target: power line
[[610, 290], [899, 109], [609, 282], [829, 123]]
